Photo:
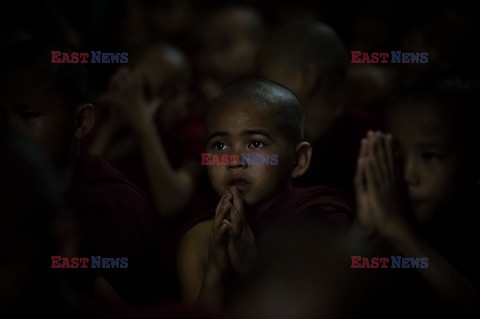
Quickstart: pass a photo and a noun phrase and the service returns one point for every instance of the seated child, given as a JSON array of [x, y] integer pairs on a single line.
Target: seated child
[[260, 118], [229, 38], [150, 133], [49, 102], [417, 185], [310, 59]]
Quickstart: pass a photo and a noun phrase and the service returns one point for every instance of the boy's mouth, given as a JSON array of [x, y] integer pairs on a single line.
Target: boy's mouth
[[240, 183]]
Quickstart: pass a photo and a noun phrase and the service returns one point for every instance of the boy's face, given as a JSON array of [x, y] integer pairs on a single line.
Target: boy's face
[[228, 50], [432, 158], [239, 128], [37, 110]]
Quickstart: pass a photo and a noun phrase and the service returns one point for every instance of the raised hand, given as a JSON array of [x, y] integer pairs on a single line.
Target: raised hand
[[241, 244], [380, 196], [218, 258], [232, 244], [126, 95], [364, 211]]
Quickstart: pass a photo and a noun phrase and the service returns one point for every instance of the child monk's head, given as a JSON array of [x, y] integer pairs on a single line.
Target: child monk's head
[[265, 120], [309, 58], [168, 77], [434, 122], [230, 36], [46, 101]]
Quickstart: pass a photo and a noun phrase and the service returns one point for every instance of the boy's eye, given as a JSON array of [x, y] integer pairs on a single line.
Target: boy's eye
[[220, 146], [256, 144]]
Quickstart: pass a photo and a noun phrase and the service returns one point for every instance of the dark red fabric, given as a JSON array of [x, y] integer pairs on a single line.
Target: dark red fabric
[[335, 154], [115, 219], [316, 204]]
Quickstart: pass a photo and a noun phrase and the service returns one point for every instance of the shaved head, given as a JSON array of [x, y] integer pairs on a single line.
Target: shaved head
[[283, 107], [308, 42]]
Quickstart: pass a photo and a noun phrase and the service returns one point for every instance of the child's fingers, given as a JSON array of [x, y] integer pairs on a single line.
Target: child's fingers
[[220, 229], [371, 180], [125, 80], [380, 157], [225, 230], [229, 229], [373, 173], [359, 179], [219, 204], [390, 156], [361, 195], [220, 212], [237, 215]]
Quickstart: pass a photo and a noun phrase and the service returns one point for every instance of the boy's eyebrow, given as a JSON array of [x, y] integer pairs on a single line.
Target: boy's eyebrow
[[257, 132], [215, 134], [244, 133]]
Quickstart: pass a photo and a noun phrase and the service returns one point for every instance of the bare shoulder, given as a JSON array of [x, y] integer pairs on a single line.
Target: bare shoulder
[[198, 233], [192, 259], [194, 245]]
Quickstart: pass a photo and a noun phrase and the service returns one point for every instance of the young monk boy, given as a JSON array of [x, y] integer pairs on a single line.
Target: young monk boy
[[158, 145], [417, 187], [310, 59], [261, 118], [49, 103]]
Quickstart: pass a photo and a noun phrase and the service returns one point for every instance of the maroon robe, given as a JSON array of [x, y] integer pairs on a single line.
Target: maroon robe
[[335, 154], [321, 204], [313, 204], [115, 219]]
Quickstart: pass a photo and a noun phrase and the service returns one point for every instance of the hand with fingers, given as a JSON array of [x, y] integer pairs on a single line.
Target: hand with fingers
[[241, 245], [126, 95], [364, 211], [231, 247], [218, 259], [218, 264], [232, 244], [380, 199]]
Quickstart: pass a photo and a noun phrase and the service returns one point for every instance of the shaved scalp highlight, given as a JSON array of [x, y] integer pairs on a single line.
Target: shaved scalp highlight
[[280, 102]]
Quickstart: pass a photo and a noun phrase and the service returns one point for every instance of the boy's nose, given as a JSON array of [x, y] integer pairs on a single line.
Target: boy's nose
[[236, 161], [410, 173]]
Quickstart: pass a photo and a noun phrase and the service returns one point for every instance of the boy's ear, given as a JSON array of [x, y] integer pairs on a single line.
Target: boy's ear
[[84, 119], [303, 155]]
